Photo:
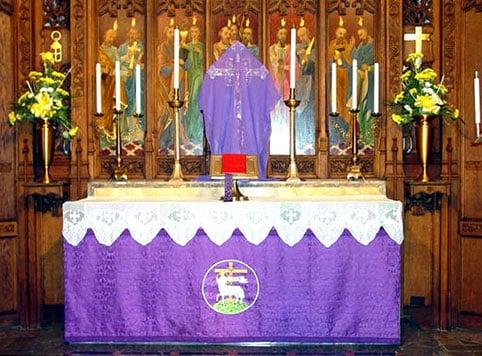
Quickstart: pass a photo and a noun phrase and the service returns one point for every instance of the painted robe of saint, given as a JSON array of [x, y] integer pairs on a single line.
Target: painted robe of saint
[[194, 66], [279, 58], [305, 84], [339, 51], [364, 53], [131, 53]]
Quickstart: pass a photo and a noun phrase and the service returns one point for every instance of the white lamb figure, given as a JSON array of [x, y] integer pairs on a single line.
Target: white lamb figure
[[226, 290]]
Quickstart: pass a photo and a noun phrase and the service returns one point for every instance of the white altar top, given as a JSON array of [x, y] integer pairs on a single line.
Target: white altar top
[[112, 208]]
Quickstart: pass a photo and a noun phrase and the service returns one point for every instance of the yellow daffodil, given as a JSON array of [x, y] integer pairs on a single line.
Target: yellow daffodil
[[43, 107], [398, 98], [62, 92], [407, 74], [47, 57], [456, 114], [58, 75], [34, 75], [412, 57], [426, 75], [73, 131], [397, 118], [12, 118], [47, 81], [427, 104]]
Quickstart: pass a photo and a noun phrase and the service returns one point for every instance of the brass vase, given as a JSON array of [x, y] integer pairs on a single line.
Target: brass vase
[[424, 130], [46, 139]]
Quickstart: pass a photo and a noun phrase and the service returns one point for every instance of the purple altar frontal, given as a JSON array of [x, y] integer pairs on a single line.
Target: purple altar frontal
[[237, 292]]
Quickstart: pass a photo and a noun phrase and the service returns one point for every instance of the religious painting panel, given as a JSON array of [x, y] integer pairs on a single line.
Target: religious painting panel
[[121, 37], [351, 35], [191, 24], [283, 16]]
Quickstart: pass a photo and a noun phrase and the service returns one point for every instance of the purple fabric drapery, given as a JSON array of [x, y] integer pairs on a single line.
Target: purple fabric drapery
[[165, 292], [236, 100]]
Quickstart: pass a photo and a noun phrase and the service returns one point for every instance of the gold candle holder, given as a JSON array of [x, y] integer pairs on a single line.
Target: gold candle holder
[[478, 140], [176, 103], [355, 170], [292, 103]]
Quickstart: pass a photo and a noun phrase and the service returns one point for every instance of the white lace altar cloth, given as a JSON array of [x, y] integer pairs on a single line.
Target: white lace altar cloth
[[363, 216]]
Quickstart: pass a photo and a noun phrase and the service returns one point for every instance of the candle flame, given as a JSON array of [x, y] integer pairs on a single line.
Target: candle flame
[[340, 22], [229, 22], [171, 23], [194, 21], [247, 22], [283, 22], [360, 21], [115, 26], [302, 22], [133, 22], [234, 19]]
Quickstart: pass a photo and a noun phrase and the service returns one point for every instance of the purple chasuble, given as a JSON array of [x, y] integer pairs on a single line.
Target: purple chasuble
[[236, 99]]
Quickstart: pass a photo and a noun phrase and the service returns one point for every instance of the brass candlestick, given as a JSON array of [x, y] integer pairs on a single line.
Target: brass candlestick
[[478, 140], [119, 172], [355, 171], [292, 103], [176, 103]]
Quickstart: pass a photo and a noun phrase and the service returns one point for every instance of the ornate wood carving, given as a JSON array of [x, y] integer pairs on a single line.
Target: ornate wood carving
[[422, 202], [6, 6], [78, 49], [44, 203], [133, 165], [25, 39], [112, 7], [230, 7], [189, 7], [56, 14], [417, 12], [300, 6], [278, 166], [473, 165], [340, 165], [360, 6], [468, 5], [394, 47], [449, 50], [191, 165], [471, 228], [8, 229]]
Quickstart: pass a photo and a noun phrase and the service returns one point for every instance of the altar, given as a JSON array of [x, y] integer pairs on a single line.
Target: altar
[[311, 262]]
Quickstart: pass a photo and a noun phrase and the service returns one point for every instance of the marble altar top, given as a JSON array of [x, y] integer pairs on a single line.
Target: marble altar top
[[254, 189]]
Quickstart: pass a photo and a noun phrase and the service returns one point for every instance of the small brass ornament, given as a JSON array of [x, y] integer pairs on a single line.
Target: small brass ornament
[[56, 46]]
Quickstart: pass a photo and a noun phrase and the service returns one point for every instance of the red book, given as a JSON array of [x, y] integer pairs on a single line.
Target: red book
[[234, 163]]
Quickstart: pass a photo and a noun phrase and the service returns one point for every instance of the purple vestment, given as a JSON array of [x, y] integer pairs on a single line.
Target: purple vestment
[[236, 99]]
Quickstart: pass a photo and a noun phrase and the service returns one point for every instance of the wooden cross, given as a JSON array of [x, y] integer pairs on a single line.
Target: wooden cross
[[418, 37], [230, 270]]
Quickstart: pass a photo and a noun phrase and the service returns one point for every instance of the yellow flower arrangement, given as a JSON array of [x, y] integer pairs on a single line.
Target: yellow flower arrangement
[[44, 99], [421, 94]]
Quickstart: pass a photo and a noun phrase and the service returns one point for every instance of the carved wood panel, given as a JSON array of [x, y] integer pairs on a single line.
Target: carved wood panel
[[189, 7], [6, 6], [417, 12], [56, 14], [112, 7]]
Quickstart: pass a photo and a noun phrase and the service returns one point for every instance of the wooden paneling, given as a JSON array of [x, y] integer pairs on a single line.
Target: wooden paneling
[[8, 273], [471, 292]]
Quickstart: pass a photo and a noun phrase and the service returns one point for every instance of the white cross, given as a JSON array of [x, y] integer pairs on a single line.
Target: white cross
[[418, 37]]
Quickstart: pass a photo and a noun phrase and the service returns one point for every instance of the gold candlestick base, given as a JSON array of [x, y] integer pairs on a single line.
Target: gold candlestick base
[[355, 170], [292, 104]]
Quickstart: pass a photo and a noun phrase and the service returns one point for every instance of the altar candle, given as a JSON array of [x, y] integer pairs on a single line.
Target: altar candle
[[117, 86], [354, 95], [138, 89], [477, 102], [98, 88], [293, 58], [176, 58], [376, 91], [333, 87]]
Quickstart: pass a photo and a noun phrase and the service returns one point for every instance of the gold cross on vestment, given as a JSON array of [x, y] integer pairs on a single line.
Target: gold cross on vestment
[[230, 270], [418, 37]]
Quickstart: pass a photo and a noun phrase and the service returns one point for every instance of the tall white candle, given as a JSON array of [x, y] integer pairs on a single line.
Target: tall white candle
[[98, 88], [138, 89], [176, 58], [293, 58], [477, 102], [376, 90], [354, 95], [117, 86], [333, 88]]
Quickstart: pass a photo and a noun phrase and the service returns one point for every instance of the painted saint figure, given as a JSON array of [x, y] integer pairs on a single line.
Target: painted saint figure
[[279, 57], [247, 40], [194, 66], [364, 53], [131, 53], [223, 43], [305, 121]]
